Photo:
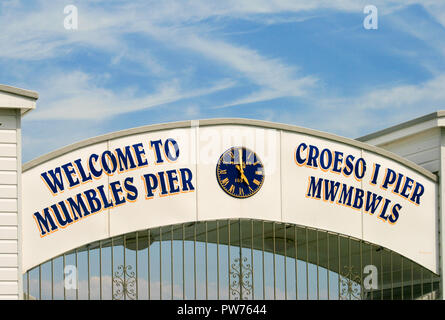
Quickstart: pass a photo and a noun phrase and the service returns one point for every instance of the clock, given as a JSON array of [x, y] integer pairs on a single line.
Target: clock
[[240, 172]]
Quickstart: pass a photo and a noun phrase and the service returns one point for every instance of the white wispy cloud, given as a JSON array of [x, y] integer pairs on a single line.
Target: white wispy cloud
[[76, 95]]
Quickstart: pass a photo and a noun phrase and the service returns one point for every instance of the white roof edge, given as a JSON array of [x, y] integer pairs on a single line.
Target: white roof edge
[[19, 92], [17, 98], [408, 124]]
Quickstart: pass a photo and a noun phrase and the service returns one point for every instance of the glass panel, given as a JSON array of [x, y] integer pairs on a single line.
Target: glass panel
[[387, 275], [201, 264], [290, 262], [367, 269], [258, 259], [279, 261], [130, 266], [356, 270], [82, 272], [119, 276], [106, 281], [224, 262], [178, 277], [166, 265], [46, 282], [312, 266], [322, 265], [407, 283], [94, 272], [269, 271], [155, 272], [334, 282], [34, 283], [302, 268], [189, 262], [397, 276], [344, 266], [212, 260], [417, 280], [70, 276], [142, 263]]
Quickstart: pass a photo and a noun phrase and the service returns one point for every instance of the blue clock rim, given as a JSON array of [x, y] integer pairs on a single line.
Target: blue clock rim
[[219, 182]]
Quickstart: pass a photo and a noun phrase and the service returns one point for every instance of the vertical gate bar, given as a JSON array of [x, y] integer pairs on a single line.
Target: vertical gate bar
[[77, 278], [264, 277], [88, 262], [361, 270], [171, 262], [392, 271], [241, 276], [402, 276], [339, 267], [27, 284], [148, 263], [296, 262], [52, 279], [125, 265], [194, 257], [381, 268], [432, 286], [137, 271], [64, 288], [421, 282], [112, 269], [285, 263], [40, 282], [412, 280], [349, 256], [217, 260], [100, 270], [307, 266], [228, 255], [207, 289], [328, 269], [251, 258], [183, 261], [160, 263], [318, 262], [274, 271], [372, 263]]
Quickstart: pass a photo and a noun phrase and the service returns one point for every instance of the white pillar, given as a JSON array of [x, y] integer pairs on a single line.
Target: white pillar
[[13, 104], [441, 213]]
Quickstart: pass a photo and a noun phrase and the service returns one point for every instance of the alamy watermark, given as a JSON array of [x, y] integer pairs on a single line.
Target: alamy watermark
[[371, 21], [70, 277], [71, 21]]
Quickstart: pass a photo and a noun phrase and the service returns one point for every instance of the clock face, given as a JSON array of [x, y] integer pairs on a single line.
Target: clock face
[[240, 172]]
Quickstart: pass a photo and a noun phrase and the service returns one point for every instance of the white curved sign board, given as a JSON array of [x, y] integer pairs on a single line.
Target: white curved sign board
[[162, 175]]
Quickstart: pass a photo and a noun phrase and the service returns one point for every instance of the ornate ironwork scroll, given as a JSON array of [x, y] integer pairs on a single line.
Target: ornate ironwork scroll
[[350, 284], [124, 283], [241, 275]]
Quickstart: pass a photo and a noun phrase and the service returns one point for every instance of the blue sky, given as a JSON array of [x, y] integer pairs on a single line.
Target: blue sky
[[133, 63]]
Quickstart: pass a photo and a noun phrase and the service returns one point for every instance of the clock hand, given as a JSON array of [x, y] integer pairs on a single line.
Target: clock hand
[[243, 177], [240, 152]]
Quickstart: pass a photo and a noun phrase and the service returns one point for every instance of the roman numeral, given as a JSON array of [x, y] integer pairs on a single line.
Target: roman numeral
[[222, 171], [241, 191], [256, 182], [225, 182], [232, 188]]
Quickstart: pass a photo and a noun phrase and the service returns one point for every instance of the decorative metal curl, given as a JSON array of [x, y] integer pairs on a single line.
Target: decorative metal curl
[[241, 284], [124, 283], [350, 285]]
